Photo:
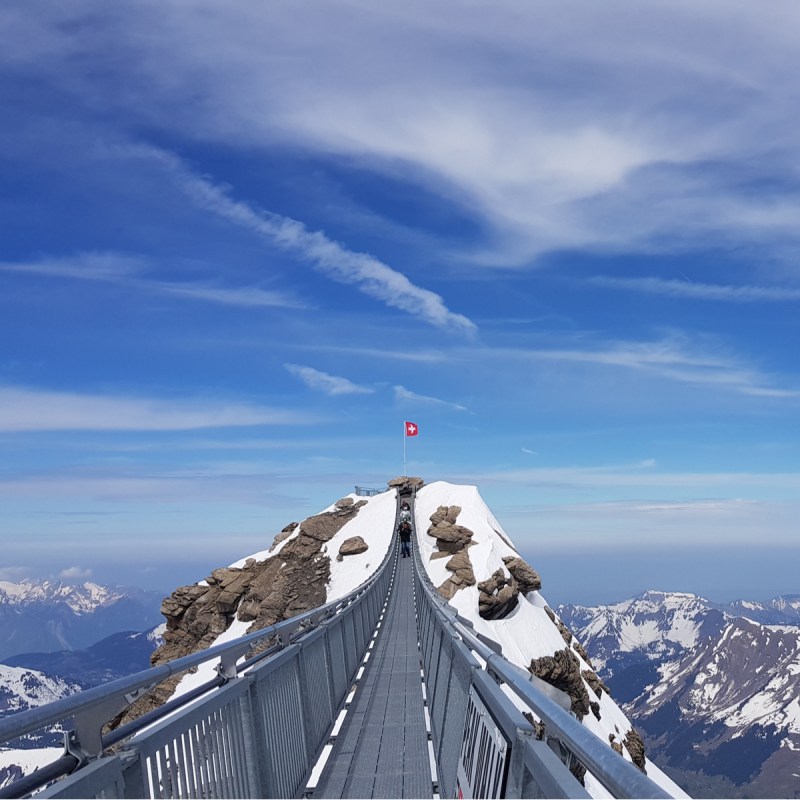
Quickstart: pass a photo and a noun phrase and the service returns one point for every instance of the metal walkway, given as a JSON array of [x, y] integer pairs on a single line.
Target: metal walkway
[[258, 728], [382, 747]]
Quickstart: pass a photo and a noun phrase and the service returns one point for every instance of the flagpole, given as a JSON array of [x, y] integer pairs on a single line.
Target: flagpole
[[404, 450]]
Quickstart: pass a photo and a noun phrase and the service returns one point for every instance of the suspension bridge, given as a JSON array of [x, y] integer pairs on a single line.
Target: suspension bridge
[[384, 693]]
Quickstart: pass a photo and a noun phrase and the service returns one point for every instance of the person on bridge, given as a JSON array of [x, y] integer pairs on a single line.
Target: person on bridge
[[405, 513], [404, 529]]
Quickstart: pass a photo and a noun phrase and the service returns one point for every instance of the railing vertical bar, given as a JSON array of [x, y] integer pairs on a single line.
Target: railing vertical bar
[[225, 753], [180, 767], [191, 756], [163, 775], [215, 785], [200, 766]]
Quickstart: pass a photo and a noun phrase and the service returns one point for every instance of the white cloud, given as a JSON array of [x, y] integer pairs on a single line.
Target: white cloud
[[90, 266], [322, 381], [23, 409], [673, 359], [555, 125], [246, 297], [700, 291], [405, 395], [367, 273], [75, 574], [125, 269], [14, 574]]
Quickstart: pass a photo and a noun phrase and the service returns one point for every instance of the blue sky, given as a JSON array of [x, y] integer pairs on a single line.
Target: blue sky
[[241, 243]]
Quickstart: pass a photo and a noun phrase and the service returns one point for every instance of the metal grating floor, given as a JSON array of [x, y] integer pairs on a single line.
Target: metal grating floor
[[382, 748]]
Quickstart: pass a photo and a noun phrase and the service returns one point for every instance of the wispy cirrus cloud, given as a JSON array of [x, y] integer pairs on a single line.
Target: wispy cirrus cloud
[[124, 269], [88, 266], [700, 291], [407, 396], [676, 360], [24, 409], [367, 273], [244, 297], [323, 382]]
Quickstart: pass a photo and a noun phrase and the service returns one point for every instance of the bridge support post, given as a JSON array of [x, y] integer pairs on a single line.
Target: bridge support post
[[255, 743]]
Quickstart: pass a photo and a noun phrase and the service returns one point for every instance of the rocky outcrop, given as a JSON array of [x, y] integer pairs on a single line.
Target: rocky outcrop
[[352, 546], [562, 628], [453, 541], [499, 596], [406, 485], [595, 684], [283, 535], [462, 576], [260, 592], [635, 747], [524, 574], [563, 670], [449, 536]]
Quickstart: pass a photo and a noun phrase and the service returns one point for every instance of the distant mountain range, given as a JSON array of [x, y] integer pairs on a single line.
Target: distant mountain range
[[47, 616], [28, 680], [714, 687], [117, 655]]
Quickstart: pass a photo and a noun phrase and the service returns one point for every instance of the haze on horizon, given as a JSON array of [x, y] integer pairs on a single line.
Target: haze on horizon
[[241, 244]]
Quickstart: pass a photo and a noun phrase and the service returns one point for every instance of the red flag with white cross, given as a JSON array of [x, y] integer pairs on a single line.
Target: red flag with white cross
[[412, 429]]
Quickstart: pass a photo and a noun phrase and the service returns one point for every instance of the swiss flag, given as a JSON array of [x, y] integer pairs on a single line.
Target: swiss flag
[[412, 429]]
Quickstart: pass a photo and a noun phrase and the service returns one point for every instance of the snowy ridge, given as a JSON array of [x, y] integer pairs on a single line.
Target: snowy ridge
[[81, 599], [721, 702], [525, 634], [22, 688]]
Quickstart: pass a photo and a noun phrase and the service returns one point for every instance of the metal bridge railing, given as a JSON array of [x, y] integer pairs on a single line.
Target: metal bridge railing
[[256, 732], [484, 746]]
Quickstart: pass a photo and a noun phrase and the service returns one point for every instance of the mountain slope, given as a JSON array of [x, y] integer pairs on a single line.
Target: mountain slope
[[467, 555], [21, 689], [111, 658], [720, 704], [45, 616]]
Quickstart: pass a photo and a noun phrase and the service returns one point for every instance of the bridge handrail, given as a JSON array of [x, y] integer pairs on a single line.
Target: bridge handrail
[[93, 707], [620, 777], [35, 718]]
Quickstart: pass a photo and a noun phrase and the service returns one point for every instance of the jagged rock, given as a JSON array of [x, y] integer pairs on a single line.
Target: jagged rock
[[462, 567], [448, 589], [615, 745], [595, 706], [353, 546], [406, 485], [283, 535], [445, 514], [261, 592], [323, 527], [345, 502], [462, 576], [581, 651], [635, 747], [563, 671], [498, 597], [450, 537], [562, 628], [595, 684], [523, 573]]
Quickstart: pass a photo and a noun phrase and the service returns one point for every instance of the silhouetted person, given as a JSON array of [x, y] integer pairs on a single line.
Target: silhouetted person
[[404, 529]]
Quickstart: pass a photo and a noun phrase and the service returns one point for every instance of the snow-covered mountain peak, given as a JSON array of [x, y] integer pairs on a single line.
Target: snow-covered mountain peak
[[467, 556], [81, 598]]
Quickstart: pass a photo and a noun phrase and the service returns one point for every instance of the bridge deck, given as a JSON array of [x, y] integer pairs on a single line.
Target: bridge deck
[[382, 747]]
